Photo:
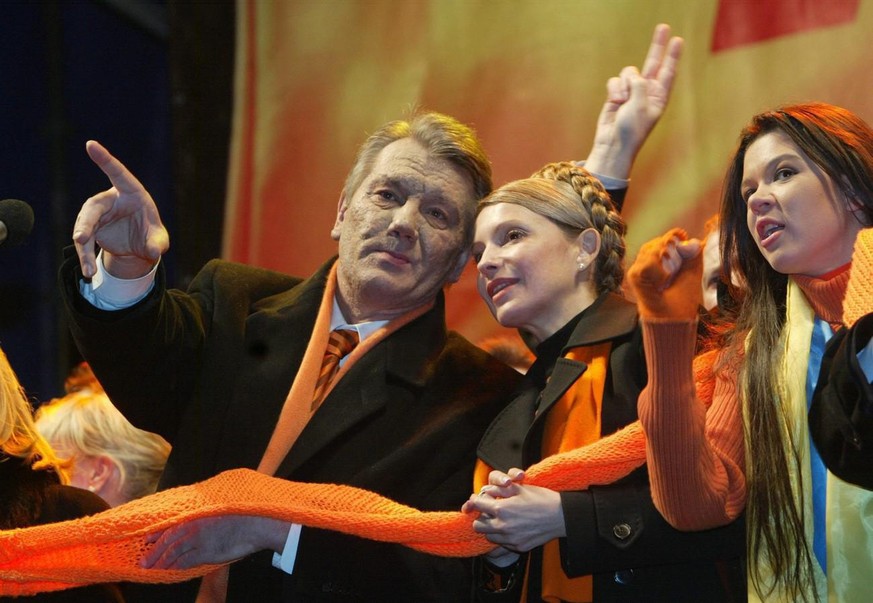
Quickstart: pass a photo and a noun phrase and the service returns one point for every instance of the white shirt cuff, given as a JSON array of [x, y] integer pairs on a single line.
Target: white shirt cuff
[[285, 561], [107, 292], [610, 183]]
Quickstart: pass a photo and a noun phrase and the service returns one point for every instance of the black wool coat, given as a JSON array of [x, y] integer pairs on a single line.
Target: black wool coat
[[209, 369]]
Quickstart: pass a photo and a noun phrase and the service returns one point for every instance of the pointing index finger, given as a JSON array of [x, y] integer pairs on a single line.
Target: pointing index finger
[[118, 174]]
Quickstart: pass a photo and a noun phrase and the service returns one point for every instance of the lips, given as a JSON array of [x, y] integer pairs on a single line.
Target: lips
[[767, 230], [394, 257], [498, 285]]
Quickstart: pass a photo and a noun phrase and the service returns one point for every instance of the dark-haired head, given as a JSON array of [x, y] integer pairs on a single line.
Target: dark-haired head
[[836, 140]]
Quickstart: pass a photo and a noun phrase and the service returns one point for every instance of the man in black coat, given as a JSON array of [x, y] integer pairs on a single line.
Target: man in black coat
[[210, 369]]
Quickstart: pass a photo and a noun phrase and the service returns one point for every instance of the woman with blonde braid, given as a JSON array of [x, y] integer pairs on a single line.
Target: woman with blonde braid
[[549, 251]]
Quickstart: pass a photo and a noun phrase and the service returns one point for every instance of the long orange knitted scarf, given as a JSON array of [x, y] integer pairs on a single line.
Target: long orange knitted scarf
[[107, 547], [574, 421]]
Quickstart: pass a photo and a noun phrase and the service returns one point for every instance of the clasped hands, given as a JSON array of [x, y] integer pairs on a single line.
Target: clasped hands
[[516, 516]]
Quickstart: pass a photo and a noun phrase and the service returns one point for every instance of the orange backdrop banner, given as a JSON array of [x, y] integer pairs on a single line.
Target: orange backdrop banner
[[315, 77]]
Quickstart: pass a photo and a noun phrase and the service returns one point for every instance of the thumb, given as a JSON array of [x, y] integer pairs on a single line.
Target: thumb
[[689, 249]]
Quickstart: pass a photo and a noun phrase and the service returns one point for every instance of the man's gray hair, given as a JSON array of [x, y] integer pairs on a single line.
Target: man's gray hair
[[443, 137]]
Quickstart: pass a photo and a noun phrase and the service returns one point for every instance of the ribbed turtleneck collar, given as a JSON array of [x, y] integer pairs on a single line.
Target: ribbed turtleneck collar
[[826, 293]]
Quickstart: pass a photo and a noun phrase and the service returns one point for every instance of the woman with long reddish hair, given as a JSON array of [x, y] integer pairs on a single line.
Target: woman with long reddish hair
[[795, 216]]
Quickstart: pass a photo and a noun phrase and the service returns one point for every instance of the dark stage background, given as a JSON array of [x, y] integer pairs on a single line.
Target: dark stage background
[[150, 80]]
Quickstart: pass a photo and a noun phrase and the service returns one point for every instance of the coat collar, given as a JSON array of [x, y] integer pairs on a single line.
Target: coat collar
[[609, 317]]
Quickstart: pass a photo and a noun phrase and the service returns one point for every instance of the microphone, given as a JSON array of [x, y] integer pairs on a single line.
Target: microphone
[[16, 222]]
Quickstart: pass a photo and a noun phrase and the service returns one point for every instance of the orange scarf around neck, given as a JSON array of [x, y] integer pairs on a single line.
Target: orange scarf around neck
[[574, 421], [296, 411]]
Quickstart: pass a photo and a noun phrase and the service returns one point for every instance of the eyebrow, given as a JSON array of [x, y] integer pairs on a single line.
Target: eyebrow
[[769, 165], [408, 184]]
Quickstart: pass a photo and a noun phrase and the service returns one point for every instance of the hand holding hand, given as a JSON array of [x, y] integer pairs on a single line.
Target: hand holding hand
[[666, 276], [123, 220], [498, 486], [635, 101], [516, 516]]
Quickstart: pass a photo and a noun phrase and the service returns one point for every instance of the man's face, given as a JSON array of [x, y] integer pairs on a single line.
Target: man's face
[[401, 233]]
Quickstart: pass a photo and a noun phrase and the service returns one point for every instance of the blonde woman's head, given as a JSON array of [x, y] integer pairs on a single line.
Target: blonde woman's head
[[109, 455]]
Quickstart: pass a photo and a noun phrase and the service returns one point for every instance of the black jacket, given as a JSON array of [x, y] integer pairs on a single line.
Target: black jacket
[[615, 533], [841, 414]]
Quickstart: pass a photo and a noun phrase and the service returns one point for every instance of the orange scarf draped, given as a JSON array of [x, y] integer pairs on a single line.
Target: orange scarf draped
[[297, 408], [574, 421], [107, 547]]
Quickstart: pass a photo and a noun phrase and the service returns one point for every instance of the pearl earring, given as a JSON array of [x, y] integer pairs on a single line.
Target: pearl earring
[[91, 488], [581, 266]]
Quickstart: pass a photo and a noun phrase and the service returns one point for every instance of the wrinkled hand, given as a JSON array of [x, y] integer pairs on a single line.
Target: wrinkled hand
[[665, 277], [516, 516], [123, 220], [213, 541], [635, 101]]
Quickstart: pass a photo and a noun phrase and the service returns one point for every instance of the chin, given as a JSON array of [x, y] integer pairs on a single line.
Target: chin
[[506, 319]]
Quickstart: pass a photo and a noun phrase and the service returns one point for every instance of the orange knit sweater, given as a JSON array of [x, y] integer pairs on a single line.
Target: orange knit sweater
[[696, 452]]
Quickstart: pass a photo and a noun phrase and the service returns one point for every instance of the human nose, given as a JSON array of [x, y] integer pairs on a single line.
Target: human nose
[[404, 221], [487, 262], [760, 201]]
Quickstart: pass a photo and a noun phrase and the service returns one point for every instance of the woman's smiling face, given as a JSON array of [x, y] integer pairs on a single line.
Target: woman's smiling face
[[528, 269]]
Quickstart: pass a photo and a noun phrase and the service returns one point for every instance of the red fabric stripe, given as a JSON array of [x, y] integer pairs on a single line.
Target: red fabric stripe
[[741, 22]]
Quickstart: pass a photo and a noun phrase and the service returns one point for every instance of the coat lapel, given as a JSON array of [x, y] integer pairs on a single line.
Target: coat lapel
[[609, 317], [501, 446], [277, 331], [395, 369]]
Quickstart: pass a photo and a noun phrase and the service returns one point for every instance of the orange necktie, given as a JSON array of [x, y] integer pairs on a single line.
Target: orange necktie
[[339, 344]]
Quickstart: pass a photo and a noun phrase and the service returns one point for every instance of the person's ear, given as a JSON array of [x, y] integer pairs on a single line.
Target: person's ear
[[588, 245], [340, 216], [101, 472]]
